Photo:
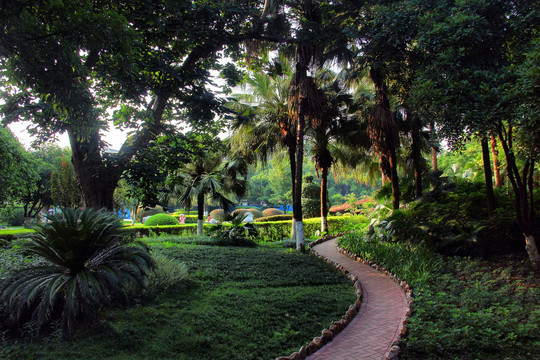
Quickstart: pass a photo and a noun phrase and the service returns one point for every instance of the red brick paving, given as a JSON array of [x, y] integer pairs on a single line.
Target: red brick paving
[[369, 336]]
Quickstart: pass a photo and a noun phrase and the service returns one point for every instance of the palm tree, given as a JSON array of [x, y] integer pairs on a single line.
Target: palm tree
[[209, 175], [83, 267], [337, 128], [264, 125]]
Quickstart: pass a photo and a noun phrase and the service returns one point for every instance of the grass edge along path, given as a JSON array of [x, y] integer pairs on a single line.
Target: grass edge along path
[[241, 303]]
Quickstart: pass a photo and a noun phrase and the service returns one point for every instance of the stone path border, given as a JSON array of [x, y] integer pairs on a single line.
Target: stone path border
[[382, 312]]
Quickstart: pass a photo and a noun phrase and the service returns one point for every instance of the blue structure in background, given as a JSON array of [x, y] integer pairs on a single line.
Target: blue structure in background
[[124, 214]]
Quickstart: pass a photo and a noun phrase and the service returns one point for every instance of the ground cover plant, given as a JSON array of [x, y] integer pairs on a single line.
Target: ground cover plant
[[239, 303], [464, 308]]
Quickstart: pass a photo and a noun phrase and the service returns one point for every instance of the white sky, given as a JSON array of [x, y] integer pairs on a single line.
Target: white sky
[[114, 137]]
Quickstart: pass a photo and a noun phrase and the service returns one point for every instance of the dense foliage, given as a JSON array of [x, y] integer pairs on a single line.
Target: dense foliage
[[83, 266], [463, 308]]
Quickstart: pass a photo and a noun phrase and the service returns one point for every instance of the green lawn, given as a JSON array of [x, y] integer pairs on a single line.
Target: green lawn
[[239, 303]]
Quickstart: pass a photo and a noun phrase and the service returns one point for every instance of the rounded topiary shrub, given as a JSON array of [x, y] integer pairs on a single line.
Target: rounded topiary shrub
[[272, 212], [161, 219], [147, 211], [255, 212], [219, 215]]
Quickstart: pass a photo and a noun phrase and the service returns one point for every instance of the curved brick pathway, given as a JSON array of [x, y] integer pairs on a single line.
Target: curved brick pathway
[[377, 325]]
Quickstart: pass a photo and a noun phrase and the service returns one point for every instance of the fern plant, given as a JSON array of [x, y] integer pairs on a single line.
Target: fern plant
[[83, 267]]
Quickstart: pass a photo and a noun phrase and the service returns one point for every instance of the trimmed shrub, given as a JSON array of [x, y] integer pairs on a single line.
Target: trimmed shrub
[[256, 212], [220, 215], [161, 219], [147, 211], [272, 212], [275, 218], [190, 219]]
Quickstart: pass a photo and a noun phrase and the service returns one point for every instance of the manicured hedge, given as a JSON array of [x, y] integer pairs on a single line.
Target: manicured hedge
[[190, 219], [274, 218], [255, 212], [140, 231], [272, 212], [268, 231], [161, 220], [219, 214]]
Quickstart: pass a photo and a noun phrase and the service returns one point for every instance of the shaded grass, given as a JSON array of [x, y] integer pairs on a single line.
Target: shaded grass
[[240, 303]]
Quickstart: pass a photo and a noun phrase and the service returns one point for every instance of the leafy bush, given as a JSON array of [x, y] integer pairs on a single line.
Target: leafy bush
[[161, 219], [238, 234], [311, 198], [255, 212], [13, 216], [274, 218], [414, 263], [147, 211], [464, 308], [219, 215], [272, 212], [82, 267]]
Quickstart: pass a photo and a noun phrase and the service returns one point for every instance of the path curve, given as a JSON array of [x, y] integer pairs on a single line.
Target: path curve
[[373, 331]]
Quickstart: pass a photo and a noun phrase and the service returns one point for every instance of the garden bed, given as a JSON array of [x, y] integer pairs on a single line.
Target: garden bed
[[239, 303]]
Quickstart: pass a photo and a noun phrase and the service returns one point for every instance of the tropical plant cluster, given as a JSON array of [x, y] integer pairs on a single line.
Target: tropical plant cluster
[[463, 308], [81, 265], [235, 303]]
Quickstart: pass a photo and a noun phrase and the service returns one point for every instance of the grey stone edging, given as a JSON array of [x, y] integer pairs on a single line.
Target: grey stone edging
[[328, 335]]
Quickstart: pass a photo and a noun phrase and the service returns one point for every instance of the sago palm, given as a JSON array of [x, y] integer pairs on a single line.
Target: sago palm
[[83, 267]]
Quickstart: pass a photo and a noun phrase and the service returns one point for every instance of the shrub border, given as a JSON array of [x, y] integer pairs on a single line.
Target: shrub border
[[405, 287], [327, 335]]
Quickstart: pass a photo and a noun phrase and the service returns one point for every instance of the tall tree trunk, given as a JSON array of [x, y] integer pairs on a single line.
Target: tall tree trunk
[[495, 152], [97, 180], [200, 214], [416, 153], [297, 200], [523, 186], [488, 175], [292, 164], [324, 200], [394, 179], [383, 130], [434, 165]]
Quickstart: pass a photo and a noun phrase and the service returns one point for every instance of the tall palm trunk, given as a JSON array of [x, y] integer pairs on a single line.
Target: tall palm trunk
[[297, 199], [488, 175], [434, 165], [496, 171], [292, 163], [200, 214], [384, 132], [324, 200], [416, 154]]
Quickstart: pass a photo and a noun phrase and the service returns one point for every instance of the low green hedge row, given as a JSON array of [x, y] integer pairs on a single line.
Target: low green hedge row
[[268, 231], [274, 218], [190, 219]]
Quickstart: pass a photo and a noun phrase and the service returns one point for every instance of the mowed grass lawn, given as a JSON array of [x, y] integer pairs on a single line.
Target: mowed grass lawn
[[239, 303]]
